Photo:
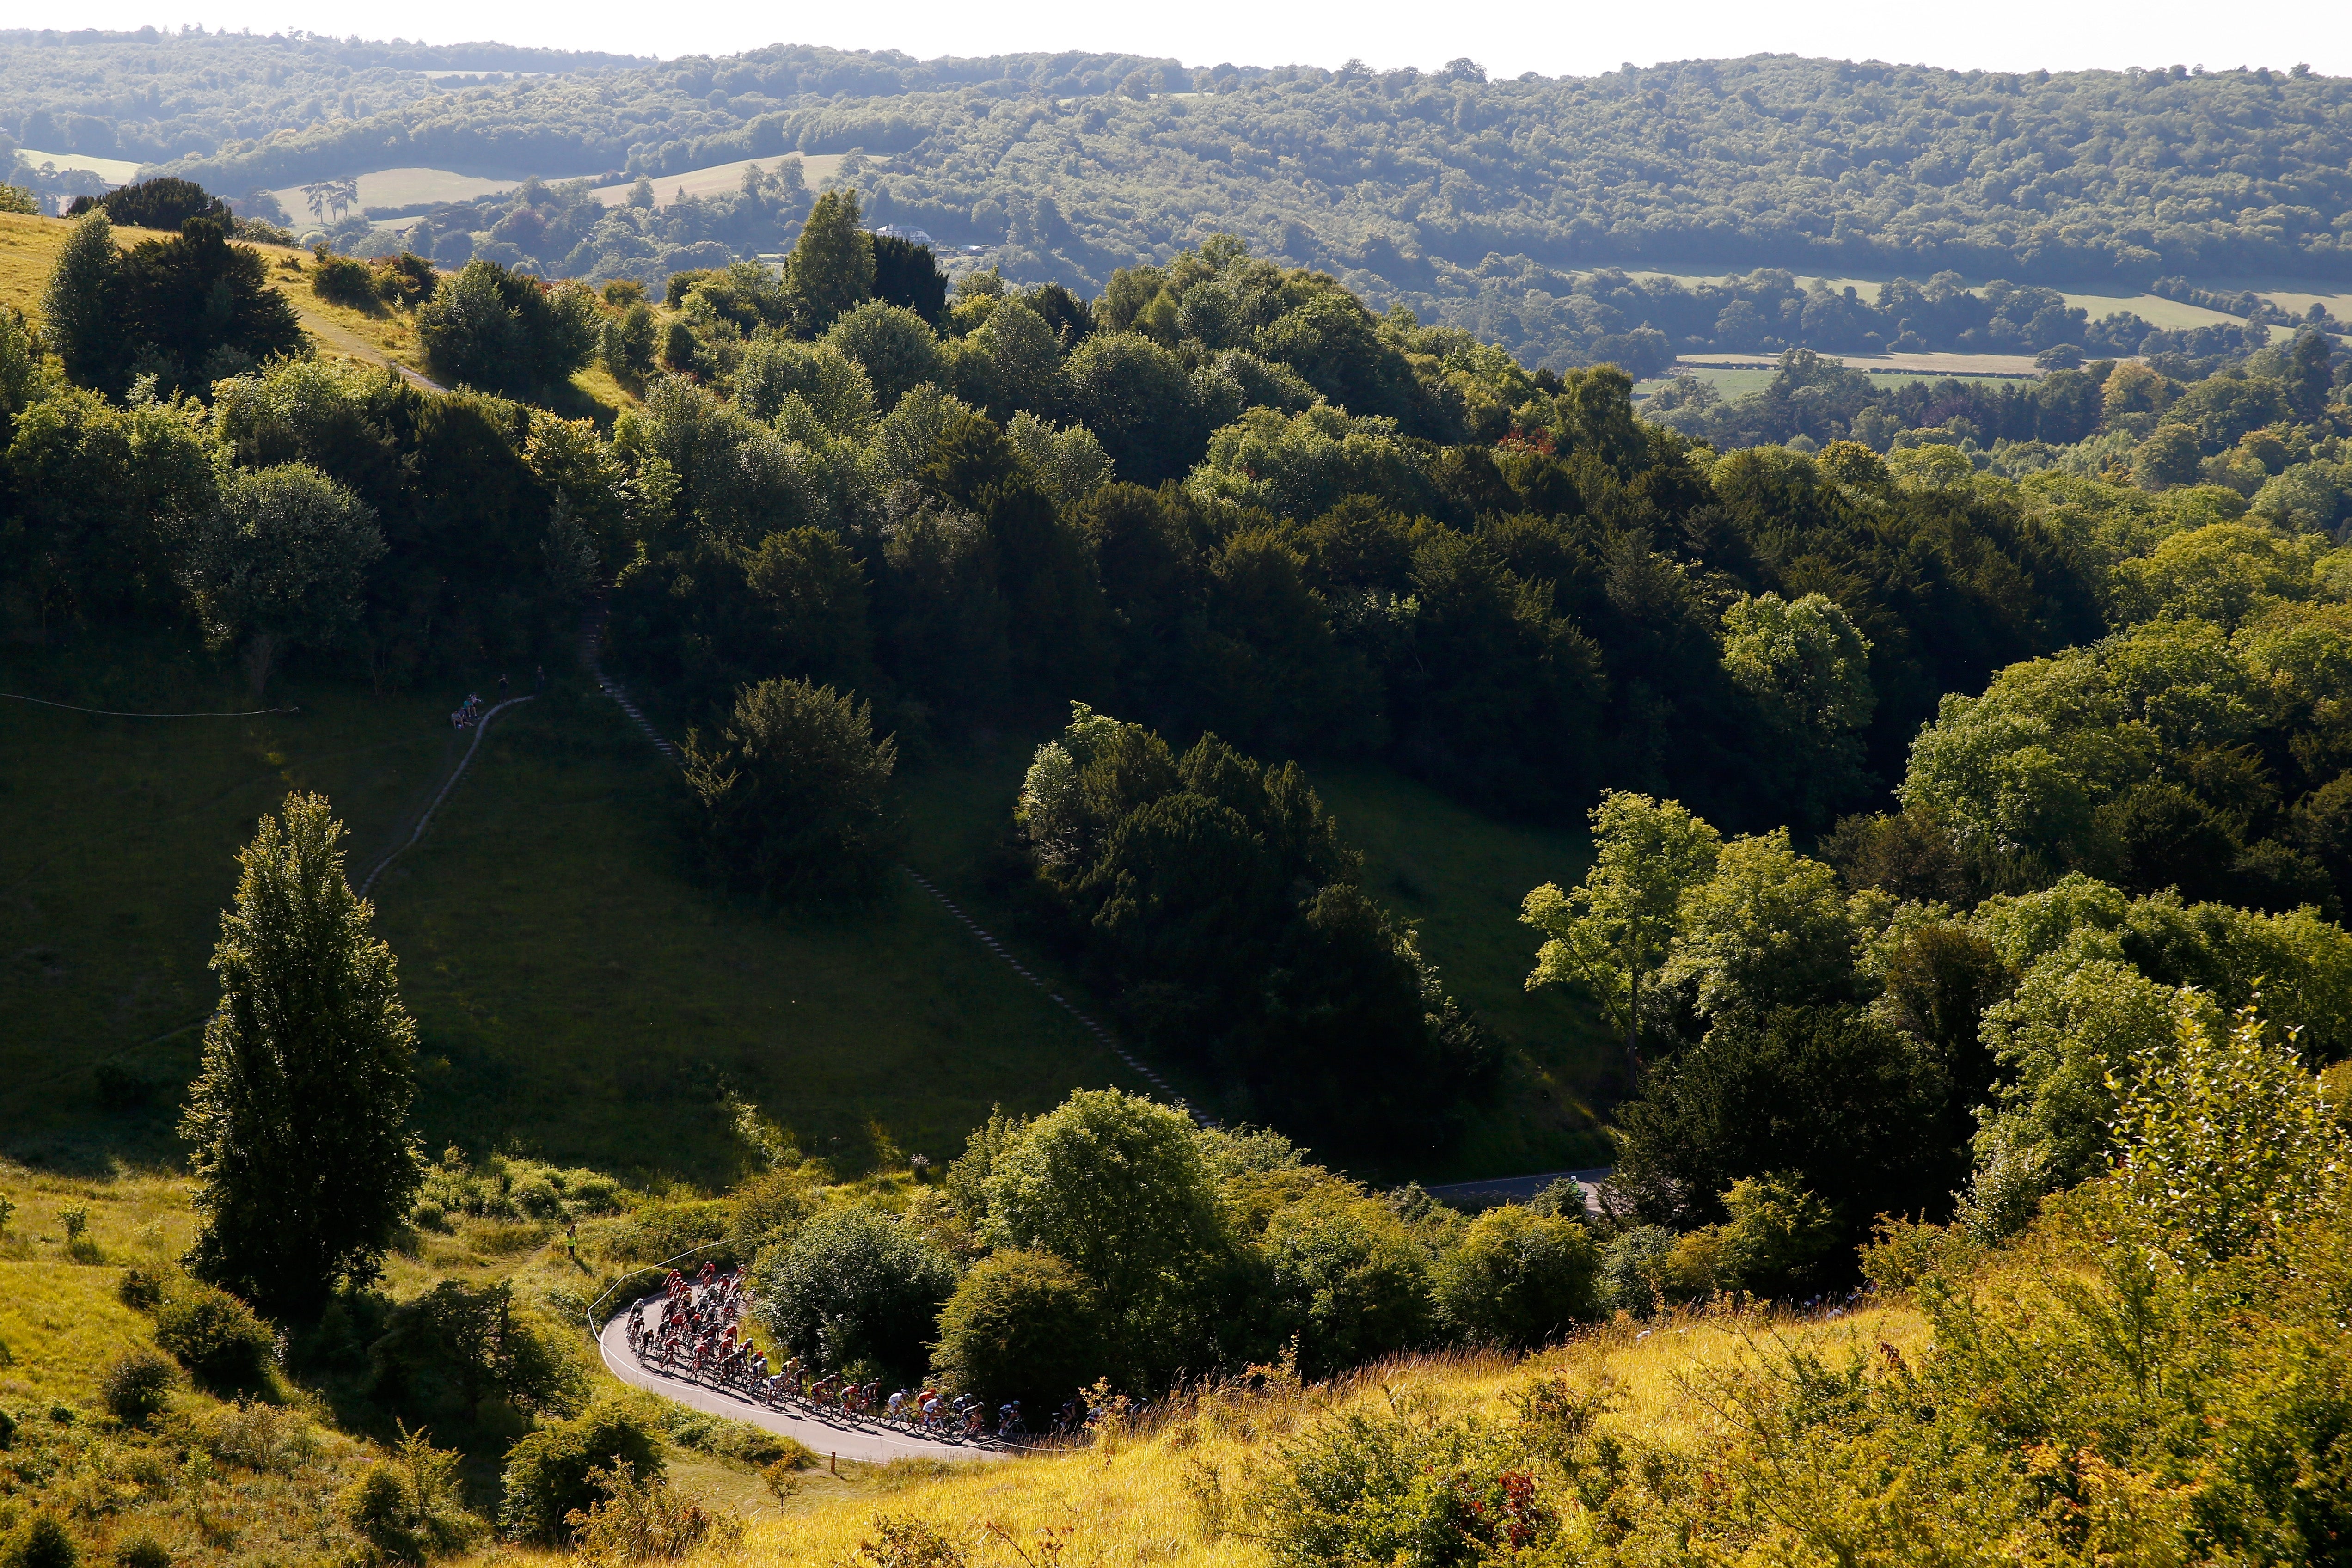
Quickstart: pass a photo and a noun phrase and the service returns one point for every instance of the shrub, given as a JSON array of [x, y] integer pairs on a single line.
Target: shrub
[[856, 1287], [795, 792], [39, 1542], [142, 1551], [139, 1290], [1020, 1325], [549, 1474], [136, 1386], [212, 1334], [406, 280], [341, 281], [644, 1521], [407, 1506], [1517, 1278]]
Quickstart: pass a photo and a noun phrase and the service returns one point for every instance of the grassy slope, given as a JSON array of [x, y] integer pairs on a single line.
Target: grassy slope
[[1135, 1500], [29, 246], [578, 990]]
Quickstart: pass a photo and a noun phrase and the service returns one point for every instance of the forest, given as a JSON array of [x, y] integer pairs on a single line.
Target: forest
[[1469, 201], [1969, 786]]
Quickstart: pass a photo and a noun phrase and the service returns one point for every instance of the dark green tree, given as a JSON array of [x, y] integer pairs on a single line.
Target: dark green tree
[[795, 793], [299, 1120], [905, 273], [855, 1290]]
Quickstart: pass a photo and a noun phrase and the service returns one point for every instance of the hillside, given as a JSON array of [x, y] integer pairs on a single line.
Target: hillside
[[1469, 200]]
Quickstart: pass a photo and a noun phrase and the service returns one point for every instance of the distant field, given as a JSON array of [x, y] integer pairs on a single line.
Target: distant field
[[721, 178], [2153, 308], [402, 188], [118, 170]]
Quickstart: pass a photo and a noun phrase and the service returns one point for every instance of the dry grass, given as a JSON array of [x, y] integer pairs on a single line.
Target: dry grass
[[1155, 1498], [401, 188], [721, 178]]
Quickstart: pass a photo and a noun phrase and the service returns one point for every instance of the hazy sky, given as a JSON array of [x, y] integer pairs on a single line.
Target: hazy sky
[[1507, 37]]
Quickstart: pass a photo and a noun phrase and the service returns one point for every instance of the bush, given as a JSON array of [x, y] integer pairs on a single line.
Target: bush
[[212, 1334], [507, 331], [39, 1542], [856, 1287], [548, 1474], [136, 1386], [1020, 1325], [139, 1290], [1517, 1278], [142, 1551], [794, 794], [407, 1507], [341, 281], [644, 1521]]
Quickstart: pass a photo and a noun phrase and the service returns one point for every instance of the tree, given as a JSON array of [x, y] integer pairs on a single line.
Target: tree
[[895, 347], [299, 1119], [1613, 932], [1517, 1278], [1020, 1325], [1769, 928], [832, 267], [856, 1289], [509, 332], [1854, 1111], [1807, 669], [905, 273], [795, 793], [164, 203], [281, 561], [1112, 1185], [78, 318], [194, 309]]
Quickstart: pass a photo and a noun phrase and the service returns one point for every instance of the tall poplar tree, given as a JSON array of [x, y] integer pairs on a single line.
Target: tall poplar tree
[[833, 264], [300, 1118], [78, 318]]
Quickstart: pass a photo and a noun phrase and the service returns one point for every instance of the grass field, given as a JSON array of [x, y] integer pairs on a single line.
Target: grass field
[[400, 188], [578, 991], [582, 995], [721, 178], [118, 170]]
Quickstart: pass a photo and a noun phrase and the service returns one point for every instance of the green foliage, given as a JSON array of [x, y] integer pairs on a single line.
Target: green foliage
[[38, 1541], [136, 1386], [795, 791], [507, 331], [1856, 1112], [299, 1119], [78, 318], [831, 271], [340, 280], [408, 1508], [1349, 1281], [854, 1289], [1113, 1185], [450, 1350], [894, 346], [646, 1520], [212, 1333], [1617, 929], [1402, 1485], [550, 1475], [1169, 870], [1020, 1325], [281, 562], [1517, 1278]]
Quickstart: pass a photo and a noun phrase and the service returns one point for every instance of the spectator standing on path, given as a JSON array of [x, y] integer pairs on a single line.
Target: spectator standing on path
[[539, 679]]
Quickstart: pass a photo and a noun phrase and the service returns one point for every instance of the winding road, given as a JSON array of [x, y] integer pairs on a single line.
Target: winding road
[[845, 1437]]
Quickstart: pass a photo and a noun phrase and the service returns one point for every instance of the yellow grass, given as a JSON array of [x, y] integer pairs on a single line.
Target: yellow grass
[[1136, 1500]]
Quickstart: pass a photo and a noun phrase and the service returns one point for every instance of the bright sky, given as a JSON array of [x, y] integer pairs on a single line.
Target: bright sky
[[1507, 37]]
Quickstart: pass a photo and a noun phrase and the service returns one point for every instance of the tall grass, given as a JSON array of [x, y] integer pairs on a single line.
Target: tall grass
[[1177, 1488]]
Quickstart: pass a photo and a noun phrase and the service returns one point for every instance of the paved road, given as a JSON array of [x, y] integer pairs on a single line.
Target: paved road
[[872, 1442], [1516, 1189]]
